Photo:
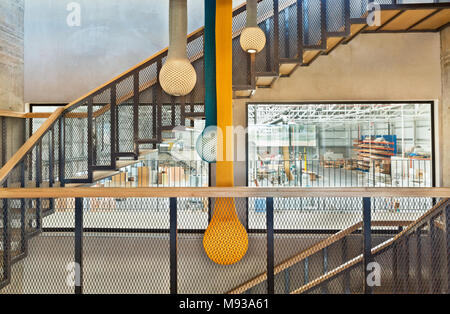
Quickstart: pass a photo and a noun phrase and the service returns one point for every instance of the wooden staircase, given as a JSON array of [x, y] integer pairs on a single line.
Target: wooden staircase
[[393, 18]]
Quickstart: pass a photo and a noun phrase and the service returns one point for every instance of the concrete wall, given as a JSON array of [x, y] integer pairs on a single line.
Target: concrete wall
[[371, 67], [445, 108], [12, 71], [11, 54], [64, 62]]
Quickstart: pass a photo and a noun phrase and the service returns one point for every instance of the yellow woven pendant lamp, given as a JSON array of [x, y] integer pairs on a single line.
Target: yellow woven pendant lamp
[[225, 240]]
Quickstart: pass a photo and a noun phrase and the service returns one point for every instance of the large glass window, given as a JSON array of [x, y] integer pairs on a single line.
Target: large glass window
[[340, 145]]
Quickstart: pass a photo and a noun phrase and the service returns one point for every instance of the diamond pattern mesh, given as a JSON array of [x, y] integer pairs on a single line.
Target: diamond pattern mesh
[[264, 61], [312, 23], [125, 128], [76, 142], [336, 15], [240, 57], [129, 236], [101, 108], [288, 29], [358, 8]]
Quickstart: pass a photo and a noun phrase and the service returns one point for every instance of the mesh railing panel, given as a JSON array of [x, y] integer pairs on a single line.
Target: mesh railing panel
[[3, 244], [76, 143], [125, 128], [288, 29], [136, 261], [48, 266], [240, 57], [265, 59], [336, 15], [312, 23], [358, 8], [101, 108]]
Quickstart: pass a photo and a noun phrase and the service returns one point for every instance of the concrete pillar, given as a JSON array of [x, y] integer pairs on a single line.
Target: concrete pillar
[[11, 55], [445, 107], [12, 70]]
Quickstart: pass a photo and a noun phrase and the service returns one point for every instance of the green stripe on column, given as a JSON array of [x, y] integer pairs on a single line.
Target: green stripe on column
[[210, 63]]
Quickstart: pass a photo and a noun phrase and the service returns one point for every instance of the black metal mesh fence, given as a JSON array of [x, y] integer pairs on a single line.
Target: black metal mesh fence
[[76, 143], [101, 108], [126, 249], [288, 29], [335, 15]]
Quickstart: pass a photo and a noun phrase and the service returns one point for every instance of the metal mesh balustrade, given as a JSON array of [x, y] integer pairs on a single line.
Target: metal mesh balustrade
[[312, 23], [125, 115], [48, 266], [265, 59], [147, 121], [76, 143], [350, 281], [358, 8], [101, 109], [415, 261], [335, 14], [125, 128], [196, 272], [326, 240], [131, 261], [288, 29], [126, 249], [312, 213], [4, 258], [241, 59]]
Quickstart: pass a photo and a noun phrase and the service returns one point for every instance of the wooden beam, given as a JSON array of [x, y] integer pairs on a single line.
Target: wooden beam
[[12, 114], [12, 193]]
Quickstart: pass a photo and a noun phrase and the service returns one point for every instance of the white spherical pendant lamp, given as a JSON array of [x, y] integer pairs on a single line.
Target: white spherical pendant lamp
[[177, 76], [253, 39]]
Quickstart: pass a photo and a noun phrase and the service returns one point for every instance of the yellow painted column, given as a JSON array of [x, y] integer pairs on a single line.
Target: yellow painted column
[[225, 240], [224, 77]]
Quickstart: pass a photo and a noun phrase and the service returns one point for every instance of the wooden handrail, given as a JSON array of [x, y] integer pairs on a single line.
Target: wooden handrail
[[313, 250], [24, 115], [12, 114], [29, 144], [235, 192], [376, 250]]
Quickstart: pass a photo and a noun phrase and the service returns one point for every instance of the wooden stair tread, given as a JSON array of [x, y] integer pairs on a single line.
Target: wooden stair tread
[[145, 152], [243, 93], [265, 81], [309, 55], [100, 175], [386, 15], [407, 19], [434, 22], [287, 68], [125, 163]]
